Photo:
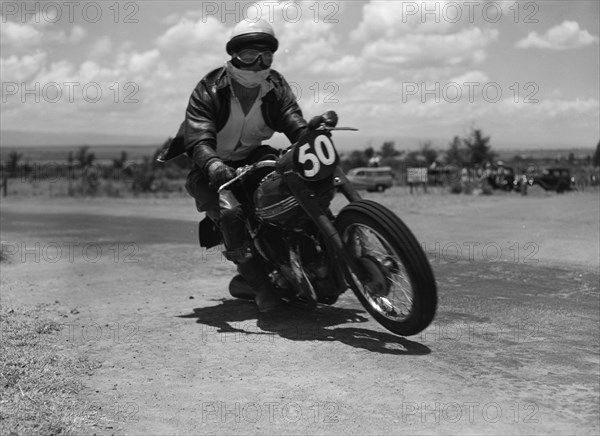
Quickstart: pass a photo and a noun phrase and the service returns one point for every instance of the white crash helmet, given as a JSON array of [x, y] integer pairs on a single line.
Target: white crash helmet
[[247, 33]]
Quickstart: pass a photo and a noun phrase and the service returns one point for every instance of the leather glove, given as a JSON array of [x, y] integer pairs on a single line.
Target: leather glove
[[219, 174], [329, 118]]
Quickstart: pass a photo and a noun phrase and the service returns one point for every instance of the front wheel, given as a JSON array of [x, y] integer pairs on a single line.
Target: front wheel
[[399, 290]]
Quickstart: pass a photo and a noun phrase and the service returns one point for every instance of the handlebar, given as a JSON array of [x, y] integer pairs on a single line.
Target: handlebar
[[243, 170], [273, 163]]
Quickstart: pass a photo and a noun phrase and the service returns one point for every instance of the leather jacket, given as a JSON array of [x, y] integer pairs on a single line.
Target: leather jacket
[[208, 111]]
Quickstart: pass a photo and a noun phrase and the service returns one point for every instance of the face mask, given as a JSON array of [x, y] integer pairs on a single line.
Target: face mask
[[248, 79]]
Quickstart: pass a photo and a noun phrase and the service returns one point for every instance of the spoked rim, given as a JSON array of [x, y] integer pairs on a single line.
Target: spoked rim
[[389, 290]]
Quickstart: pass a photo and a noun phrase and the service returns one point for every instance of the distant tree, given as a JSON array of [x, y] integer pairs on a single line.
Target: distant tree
[[85, 157], [558, 158], [428, 152], [415, 158], [571, 158], [478, 147], [369, 152], [388, 150], [14, 159], [120, 162], [456, 153], [596, 158], [357, 159], [144, 176]]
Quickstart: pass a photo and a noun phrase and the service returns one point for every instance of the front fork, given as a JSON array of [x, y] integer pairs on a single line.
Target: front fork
[[309, 201]]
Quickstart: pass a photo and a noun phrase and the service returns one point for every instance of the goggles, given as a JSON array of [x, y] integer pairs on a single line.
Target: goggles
[[249, 56]]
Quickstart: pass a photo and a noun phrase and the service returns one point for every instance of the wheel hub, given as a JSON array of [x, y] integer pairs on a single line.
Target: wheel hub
[[378, 284]]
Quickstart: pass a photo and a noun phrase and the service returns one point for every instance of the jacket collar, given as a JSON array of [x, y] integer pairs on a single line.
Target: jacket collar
[[222, 82]]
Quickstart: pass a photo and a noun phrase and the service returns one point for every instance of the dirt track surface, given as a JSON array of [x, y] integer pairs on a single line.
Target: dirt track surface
[[514, 348]]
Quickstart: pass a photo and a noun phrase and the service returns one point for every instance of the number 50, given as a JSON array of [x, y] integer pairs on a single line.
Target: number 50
[[324, 154]]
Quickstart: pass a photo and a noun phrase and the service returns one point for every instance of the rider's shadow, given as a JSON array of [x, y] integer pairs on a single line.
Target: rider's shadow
[[295, 324]]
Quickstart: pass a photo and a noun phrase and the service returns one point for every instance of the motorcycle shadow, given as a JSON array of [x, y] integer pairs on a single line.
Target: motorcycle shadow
[[234, 320]]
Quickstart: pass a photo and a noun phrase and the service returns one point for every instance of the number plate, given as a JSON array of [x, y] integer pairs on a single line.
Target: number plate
[[317, 158]]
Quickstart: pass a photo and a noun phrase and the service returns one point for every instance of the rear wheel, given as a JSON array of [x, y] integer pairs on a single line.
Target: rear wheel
[[399, 290]]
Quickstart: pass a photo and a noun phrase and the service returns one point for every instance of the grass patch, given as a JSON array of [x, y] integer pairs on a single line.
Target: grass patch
[[39, 376]]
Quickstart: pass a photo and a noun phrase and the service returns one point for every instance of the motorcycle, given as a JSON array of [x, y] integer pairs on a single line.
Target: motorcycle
[[314, 255]]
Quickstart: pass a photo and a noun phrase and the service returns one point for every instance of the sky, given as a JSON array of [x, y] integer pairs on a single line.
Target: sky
[[526, 73]]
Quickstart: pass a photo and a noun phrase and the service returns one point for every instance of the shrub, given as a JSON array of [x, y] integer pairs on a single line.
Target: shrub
[[486, 188], [456, 188]]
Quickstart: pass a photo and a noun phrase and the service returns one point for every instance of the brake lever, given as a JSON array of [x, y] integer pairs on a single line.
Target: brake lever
[[240, 172]]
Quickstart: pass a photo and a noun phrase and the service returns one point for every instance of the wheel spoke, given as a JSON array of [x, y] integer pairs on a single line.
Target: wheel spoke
[[408, 297], [367, 245]]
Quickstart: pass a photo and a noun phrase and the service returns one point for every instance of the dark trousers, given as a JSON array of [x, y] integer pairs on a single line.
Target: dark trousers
[[226, 212]]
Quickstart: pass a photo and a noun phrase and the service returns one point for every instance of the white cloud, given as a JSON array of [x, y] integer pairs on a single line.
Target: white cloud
[[471, 76], [76, 35], [15, 69], [101, 47], [391, 19], [19, 36], [59, 72], [464, 47], [565, 36], [143, 62], [197, 35], [190, 50], [303, 44], [344, 69]]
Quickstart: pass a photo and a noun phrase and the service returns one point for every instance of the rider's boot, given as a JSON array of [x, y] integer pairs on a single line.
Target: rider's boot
[[251, 269], [240, 288], [265, 297]]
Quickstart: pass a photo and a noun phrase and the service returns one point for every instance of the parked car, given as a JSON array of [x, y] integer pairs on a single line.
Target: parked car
[[372, 179], [557, 179]]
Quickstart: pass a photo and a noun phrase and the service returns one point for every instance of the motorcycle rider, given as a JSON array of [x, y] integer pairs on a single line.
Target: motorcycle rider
[[230, 112]]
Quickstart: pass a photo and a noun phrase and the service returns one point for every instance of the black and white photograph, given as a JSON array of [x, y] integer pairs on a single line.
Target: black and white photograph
[[303, 217]]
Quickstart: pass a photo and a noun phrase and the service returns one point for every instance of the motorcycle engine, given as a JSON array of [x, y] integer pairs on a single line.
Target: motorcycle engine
[[274, 202]]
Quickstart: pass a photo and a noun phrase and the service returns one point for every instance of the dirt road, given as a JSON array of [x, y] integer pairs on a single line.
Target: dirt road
[[514, 348]]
